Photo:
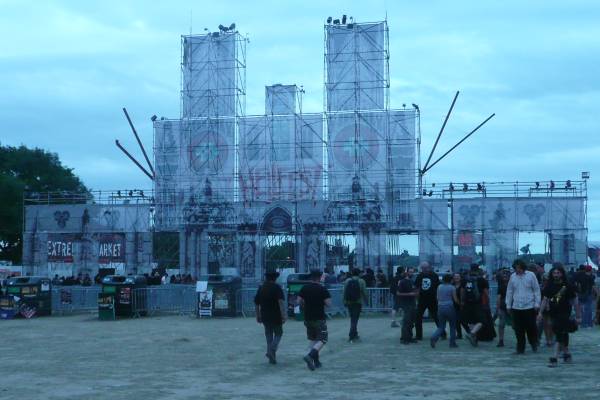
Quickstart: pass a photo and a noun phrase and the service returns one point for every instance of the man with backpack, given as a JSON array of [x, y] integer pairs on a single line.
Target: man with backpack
[[355, 292]]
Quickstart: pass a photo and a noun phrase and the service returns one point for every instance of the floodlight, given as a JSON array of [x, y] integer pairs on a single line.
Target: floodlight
[[232, 26], [221, 28], [336, 21], [329, 20], [430, 193], [537, 185], [344, 19], [153, 118], [585, 175], [416, 107], [568, 184]]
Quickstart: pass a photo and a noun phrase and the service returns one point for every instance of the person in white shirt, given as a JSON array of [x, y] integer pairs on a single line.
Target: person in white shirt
[[523, 299]]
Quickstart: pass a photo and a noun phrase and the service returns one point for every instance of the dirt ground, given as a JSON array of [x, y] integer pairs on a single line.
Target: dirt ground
[[177, 357]]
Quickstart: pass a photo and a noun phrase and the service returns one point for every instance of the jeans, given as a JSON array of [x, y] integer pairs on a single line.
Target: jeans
[[587, 305], [273, 334], [408, 321], [354, 311], [446, 314], [524, 322], [431, 306]]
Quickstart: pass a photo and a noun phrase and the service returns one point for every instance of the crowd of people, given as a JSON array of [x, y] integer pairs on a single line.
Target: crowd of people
[[534, 303]]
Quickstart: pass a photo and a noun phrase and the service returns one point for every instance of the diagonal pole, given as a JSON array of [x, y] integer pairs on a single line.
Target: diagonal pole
[[440, 134], [133, 159], [138, 140], [458, 144]]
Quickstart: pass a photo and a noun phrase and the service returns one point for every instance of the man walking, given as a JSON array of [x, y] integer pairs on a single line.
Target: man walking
[[355, 292], [393, 292], [313, 298], [271, 312], [522, 303], [427, 283], [407, 294]]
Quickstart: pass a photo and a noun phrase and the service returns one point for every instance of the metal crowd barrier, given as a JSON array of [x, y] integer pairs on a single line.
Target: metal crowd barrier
[[179, 299], [73, 299], [183, 299]]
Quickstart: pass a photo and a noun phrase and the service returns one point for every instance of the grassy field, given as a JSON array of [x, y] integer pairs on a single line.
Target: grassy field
[[174, 357]]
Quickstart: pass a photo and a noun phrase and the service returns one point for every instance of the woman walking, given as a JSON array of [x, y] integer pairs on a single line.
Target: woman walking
[[558, 295], [446, 297]]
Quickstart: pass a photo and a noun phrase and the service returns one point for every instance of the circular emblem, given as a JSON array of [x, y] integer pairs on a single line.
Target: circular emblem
[[426, 284], [367, 148], [208, 152]]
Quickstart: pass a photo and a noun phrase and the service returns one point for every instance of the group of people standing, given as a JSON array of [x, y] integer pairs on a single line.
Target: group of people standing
[[459, 302]]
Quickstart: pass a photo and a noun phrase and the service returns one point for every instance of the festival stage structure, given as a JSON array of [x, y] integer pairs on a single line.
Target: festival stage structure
[[341, 186]]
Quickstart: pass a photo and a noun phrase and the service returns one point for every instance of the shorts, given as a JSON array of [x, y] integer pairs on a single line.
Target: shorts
[[472, 314], [316, 331]]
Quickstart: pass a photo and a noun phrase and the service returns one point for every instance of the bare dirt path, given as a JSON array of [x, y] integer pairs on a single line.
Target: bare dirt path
[[174, 357]]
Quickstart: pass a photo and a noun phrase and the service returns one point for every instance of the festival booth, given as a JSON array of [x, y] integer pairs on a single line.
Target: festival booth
[[218, 296], [32, 294], [119, 297]]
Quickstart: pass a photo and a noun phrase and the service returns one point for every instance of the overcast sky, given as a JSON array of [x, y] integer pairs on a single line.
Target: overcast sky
[[67, 68]]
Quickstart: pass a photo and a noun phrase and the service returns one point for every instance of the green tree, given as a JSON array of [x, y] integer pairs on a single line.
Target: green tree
[[27, 170]]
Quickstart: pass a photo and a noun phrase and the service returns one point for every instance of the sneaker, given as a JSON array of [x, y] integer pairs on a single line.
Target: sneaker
[[318, 364], [534, 348], [271, 357], [310, 363], [453, 345], [395, 325], [472, 339], [432, 343], [568, 358], [500, 343], [553, 362]]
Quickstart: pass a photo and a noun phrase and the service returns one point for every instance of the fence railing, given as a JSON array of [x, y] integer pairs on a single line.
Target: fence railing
[[72, 299], [183, 299]]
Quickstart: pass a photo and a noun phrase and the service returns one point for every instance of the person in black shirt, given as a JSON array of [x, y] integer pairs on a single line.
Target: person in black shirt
[[502, 277], [406, 294], [313, 298], [427, 283], [393, 291], [558, 295], [270, 311], [585, 285]]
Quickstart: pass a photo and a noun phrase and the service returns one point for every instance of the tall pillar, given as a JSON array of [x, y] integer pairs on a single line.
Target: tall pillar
[[203, 249]]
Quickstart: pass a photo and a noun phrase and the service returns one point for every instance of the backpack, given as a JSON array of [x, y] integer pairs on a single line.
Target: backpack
[[352, 292], [472, 294]]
